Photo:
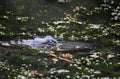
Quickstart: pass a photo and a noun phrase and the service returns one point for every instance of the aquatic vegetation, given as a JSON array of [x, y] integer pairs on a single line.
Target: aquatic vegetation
[[31, 63], [79, 24]]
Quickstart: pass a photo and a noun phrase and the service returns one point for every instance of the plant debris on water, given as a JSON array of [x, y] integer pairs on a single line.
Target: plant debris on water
[[30, 63], [95, 22]]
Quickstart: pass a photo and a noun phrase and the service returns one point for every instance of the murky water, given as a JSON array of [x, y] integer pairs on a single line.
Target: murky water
[[22, 62], [47, 58]]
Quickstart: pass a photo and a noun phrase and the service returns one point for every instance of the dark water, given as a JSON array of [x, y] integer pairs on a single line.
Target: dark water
[[73, 60], [23, 62]]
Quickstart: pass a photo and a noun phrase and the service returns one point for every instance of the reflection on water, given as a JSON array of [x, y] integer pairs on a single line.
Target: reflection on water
[[23, 63], [77, 20]]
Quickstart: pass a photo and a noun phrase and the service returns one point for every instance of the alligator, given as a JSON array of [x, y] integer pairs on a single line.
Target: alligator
[[48, 42]]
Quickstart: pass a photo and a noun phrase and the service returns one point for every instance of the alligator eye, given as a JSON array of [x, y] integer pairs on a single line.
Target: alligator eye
[[53, 41]]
